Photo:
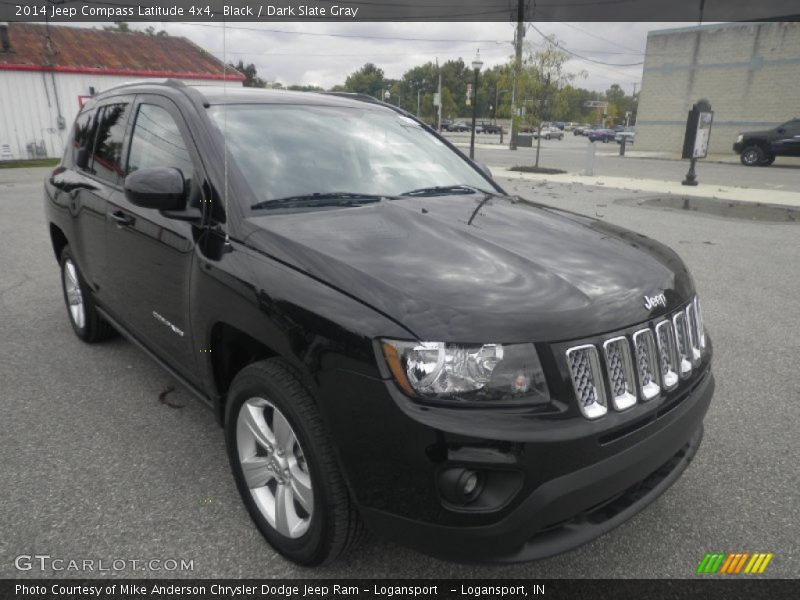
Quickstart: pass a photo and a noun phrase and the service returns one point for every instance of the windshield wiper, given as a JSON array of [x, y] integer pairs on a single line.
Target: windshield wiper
[[443, 190], [319, 199]]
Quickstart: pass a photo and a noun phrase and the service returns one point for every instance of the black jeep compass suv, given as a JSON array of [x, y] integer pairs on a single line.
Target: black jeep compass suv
[[761, 147], [388, 339]]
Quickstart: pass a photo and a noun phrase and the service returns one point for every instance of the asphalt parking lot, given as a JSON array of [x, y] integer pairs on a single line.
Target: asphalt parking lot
[[93, 465], [569, 154]]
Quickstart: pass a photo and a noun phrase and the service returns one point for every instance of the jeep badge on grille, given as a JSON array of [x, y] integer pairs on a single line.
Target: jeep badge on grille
[[650, 302]]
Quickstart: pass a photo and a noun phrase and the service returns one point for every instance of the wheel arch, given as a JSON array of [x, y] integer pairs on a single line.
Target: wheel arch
[[58, 239], [231, 350]]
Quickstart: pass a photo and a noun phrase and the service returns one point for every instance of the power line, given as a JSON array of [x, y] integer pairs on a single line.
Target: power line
[[347, 35], [591, 60], [602, 39]]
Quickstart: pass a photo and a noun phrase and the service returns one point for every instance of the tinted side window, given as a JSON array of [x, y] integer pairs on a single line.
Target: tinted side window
[[157, 142], [107, 156], [82, 136]]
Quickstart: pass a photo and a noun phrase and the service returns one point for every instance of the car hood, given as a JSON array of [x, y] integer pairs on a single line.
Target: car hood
[[474, 268], [759, 134]]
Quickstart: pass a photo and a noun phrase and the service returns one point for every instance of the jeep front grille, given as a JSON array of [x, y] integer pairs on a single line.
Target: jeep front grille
[[661, 356]]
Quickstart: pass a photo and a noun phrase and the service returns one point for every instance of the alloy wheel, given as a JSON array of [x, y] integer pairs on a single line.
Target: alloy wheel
[[274, 467], [72, 290], [750, 157]]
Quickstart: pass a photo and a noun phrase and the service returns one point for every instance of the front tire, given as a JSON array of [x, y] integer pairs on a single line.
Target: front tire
[[87, 324], [284, 466], [752, 156]]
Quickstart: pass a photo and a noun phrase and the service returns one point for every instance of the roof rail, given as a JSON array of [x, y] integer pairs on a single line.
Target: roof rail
[[175, 83]]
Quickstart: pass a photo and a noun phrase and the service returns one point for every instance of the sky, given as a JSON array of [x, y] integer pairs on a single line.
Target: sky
[[324, 54]]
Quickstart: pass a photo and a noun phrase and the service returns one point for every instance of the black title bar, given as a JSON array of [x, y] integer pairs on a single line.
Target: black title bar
[[66, 11]]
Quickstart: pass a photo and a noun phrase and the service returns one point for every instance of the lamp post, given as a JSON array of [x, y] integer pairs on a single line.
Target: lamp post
[[477, 63]]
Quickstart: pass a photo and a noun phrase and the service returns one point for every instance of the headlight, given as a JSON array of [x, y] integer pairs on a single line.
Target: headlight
[[467, 373], [740, 138]]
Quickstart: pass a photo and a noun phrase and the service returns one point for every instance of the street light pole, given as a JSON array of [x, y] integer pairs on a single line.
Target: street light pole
[[418, 91], [476, 65]]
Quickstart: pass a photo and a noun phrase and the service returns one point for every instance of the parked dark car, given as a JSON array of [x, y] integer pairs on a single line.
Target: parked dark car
[[460, 126], [488, 127], [388, 339], [761, 147], [601, 135]]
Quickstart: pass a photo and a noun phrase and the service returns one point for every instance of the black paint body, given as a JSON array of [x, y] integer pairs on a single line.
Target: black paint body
[[319, 287]]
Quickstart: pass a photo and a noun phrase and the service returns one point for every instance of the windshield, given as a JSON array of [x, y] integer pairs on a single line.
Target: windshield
[[298, 151]]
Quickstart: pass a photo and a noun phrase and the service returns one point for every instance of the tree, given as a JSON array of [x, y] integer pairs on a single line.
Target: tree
[[543, 74], [151, 31], [251, 78], [619, 103], [119, 27], [369, 80], [305, 88]]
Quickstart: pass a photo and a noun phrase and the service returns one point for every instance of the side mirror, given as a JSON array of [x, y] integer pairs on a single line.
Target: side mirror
[[161, 188], [781, 130]]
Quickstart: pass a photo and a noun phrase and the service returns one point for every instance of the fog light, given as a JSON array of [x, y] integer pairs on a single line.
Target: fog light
[[460, 486], [469, 482]]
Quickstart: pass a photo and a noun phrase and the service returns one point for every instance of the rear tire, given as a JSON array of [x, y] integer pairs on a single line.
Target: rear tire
[[293, 490], [752, 156], [87, 324]]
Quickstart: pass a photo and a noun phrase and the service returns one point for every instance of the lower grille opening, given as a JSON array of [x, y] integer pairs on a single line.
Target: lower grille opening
[[612, 506]]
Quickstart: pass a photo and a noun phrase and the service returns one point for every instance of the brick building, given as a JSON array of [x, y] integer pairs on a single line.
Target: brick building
[[47, 72], [750, 72]]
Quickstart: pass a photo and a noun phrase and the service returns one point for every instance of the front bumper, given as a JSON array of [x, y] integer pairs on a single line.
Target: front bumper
[[575, 486]]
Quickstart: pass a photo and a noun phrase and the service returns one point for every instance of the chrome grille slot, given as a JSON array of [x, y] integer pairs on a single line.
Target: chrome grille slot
[[619, 367], [684, 342], [646, 364], [701, 332], [587, 380], [691, 325], [668, 354]]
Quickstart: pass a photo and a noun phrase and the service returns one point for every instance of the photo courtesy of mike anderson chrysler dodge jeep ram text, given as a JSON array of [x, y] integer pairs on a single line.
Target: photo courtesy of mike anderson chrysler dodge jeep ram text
[[390, 341]]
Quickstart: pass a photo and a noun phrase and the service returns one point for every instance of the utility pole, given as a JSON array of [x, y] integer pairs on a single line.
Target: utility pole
[[439, 108], [517, 69]]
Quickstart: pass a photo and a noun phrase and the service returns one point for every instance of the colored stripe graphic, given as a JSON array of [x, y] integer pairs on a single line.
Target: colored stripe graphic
[[732, 563]]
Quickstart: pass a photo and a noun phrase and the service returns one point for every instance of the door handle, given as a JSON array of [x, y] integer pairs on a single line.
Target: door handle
[[122, 219]]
